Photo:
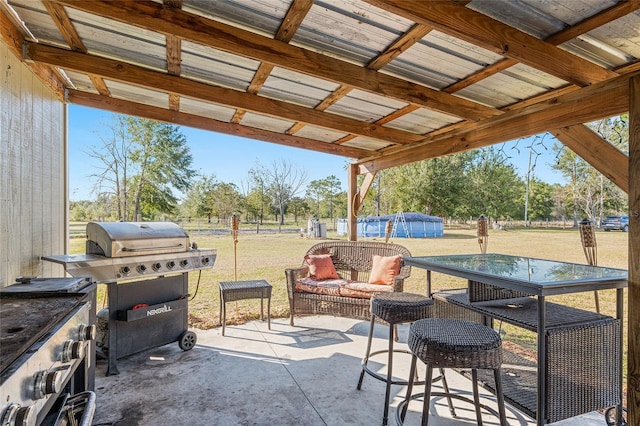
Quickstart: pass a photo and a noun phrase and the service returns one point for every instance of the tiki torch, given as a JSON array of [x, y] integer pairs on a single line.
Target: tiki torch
[[483, 233], [387, 232], [590, 248], [235, 224]]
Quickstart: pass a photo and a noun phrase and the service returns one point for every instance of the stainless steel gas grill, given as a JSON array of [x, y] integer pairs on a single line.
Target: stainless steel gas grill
[[145, 266], [119, 251]]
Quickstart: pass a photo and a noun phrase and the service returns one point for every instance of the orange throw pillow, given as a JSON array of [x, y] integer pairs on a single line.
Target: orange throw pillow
[[321, 267], [384, 268]]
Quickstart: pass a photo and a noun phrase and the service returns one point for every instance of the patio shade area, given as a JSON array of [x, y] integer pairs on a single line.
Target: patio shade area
[[302, 375], [381, 82]]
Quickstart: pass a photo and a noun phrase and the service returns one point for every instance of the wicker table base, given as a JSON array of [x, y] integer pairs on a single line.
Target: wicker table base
[[240, 290]]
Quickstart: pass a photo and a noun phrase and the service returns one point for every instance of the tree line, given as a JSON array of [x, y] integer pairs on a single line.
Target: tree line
[[143, 172]]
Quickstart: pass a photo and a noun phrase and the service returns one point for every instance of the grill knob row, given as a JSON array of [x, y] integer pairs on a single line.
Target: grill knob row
[[158, 266]]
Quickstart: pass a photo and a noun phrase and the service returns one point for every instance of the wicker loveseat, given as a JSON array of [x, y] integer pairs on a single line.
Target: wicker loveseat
[[353, 261]]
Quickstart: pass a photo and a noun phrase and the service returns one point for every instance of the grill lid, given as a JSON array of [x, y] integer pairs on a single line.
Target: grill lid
[[125, 239]]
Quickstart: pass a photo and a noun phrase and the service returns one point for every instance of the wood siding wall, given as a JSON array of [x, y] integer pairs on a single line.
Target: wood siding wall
[[33, 200]]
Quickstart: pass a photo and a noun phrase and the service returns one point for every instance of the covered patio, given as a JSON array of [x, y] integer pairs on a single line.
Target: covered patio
[[302, 375], [382, 82]]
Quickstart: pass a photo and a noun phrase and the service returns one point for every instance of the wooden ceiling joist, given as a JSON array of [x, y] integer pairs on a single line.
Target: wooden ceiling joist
[[612, 13], [198, 122], [14, 39], [111, 69], [449, 17], [574, 108], [73, 39], [493, 35], [154, 17], [606, 158]]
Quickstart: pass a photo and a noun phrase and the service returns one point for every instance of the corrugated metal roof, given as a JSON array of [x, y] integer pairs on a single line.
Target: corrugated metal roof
[[349, 29], [213, 66], [265, 122], [296, 87], [425, 83], [365, 106], [206, 109], [319, 134]]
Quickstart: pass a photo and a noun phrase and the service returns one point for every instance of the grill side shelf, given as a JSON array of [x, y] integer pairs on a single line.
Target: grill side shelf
[[152, 310]]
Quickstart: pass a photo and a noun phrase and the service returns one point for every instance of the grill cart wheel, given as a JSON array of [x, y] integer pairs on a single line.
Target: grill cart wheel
[[610, 416], [187, 340]]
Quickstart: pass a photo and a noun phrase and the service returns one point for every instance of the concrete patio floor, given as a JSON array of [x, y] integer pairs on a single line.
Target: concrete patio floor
[[302, 375]]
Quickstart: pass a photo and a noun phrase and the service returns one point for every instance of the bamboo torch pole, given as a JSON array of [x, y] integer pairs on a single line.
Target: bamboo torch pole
[[235, 225], [483, 234], [387, 232], [590, 248]]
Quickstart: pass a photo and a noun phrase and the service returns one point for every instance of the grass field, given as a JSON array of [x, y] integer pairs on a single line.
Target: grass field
[[266, 255]]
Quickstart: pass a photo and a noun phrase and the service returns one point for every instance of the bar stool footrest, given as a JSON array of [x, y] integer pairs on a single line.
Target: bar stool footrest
[[382, 378], [402, 404]]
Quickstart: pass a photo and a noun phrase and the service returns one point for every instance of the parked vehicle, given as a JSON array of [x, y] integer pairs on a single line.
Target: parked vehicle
[[620, 223]]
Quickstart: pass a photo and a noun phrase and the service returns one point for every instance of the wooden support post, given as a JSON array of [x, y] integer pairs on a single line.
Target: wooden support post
[[354, 203], [633, 354]]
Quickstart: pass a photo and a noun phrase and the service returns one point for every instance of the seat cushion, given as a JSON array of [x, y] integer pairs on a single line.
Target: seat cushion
[[341, 287], [363, 290], [327, 287]]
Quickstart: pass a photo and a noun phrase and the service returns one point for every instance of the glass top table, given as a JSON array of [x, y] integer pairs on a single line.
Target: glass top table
[[536, 277]]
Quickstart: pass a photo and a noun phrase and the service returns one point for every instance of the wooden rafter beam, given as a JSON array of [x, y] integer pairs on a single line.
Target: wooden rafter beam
[[73, 39], [290, 24], [401, 44], [481, 30], [155, 17], [14, 39], [364, 189], [590, 103], [143, 77], [591, 147], [174, 56], [199, 122], [65, 26], [174, 66], [612, 13]]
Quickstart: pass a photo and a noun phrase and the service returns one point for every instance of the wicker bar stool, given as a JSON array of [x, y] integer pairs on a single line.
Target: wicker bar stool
[[394, 308], [453, 343]]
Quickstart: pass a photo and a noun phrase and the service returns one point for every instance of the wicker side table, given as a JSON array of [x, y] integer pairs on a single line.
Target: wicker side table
[[240, 290]]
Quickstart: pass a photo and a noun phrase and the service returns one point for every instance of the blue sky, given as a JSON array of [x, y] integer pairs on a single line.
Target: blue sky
[[229, 158]]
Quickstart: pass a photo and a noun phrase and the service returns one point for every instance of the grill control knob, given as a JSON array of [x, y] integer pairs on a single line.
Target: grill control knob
[[47, 383], [205, 260], [26, 416], [87, 332], [156, 266], [141, 268], [125, 270], [184, 263], [72, 350], [171, 264], [15, 415]]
